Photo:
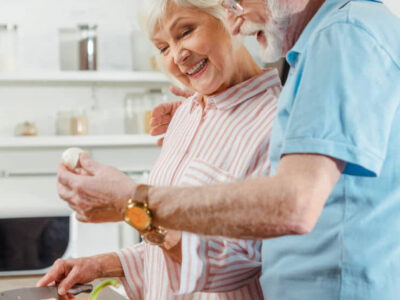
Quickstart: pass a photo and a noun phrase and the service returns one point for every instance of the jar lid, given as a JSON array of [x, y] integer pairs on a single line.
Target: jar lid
[[5, 26], [87, 26]]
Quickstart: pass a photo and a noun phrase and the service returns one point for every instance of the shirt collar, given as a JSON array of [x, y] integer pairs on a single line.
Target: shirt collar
[[312, 26], [243, 91]]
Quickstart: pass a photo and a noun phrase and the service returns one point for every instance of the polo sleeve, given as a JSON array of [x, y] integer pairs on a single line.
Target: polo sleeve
[[345, 101]]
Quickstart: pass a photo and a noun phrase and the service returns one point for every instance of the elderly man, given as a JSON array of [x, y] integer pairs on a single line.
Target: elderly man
[[329, 211]]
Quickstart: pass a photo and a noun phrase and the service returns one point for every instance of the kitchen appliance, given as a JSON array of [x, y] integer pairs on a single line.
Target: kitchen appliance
[[39, 293], [32, 243], [36, 227]]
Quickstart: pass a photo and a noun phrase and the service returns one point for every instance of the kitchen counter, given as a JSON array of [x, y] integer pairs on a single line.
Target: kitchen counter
[[10, 283]]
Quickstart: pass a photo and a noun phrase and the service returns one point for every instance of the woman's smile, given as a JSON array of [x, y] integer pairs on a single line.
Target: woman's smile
[[198, 69]]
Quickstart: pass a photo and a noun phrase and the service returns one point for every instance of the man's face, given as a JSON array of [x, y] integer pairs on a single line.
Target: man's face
[[266, 19]]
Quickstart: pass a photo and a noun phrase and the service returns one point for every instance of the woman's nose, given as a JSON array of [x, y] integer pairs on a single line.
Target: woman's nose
[[181, 55]]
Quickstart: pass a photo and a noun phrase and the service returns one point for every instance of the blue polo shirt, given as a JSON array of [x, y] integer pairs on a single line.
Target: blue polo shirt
[[342, 100]]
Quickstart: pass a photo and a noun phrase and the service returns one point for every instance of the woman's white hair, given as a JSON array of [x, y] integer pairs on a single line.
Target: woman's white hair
[[153, 11]]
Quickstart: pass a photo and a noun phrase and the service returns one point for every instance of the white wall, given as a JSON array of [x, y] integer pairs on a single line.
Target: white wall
[[39, 20], [394, 5]]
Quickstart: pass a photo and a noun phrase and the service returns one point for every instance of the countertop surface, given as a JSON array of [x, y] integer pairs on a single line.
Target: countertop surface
[[10, 283]]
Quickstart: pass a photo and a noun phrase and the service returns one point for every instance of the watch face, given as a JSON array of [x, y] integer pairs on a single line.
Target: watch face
[[139, 218], [154, 237]]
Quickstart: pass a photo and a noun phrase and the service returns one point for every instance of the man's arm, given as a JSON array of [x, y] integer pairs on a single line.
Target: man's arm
[[288, 203]]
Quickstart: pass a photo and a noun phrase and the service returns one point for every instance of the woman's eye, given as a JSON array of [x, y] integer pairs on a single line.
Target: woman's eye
[[162, 50], [186, 32]]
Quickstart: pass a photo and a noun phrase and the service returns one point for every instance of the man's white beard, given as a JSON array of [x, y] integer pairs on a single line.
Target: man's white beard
[[275, 31], [275, 36]]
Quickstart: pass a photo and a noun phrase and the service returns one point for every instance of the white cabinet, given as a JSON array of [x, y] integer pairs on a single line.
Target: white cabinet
[[28, 165], [28, 168]]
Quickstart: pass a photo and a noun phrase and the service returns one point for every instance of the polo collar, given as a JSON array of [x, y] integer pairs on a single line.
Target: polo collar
[[244, 91]]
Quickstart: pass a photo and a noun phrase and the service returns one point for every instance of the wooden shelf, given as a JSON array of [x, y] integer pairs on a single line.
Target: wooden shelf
[[77, 141], [84, 77]]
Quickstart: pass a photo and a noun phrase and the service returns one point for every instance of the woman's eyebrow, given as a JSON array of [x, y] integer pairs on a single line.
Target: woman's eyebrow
[[176, 21]]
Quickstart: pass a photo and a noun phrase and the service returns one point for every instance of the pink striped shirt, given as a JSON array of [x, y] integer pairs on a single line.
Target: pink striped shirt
[[226, 141]]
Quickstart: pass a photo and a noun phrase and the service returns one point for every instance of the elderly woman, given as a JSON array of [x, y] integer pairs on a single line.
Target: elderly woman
[[220, 134]]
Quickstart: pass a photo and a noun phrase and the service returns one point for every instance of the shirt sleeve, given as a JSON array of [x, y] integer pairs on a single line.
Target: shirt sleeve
[[345, 99], [214, 264], [133, 265]]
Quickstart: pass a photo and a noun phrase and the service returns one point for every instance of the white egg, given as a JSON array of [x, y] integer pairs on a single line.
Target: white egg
[[70, 157]]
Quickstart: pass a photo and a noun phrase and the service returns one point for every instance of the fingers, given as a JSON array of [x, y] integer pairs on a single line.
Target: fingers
[[74, 184], [76, 203], [56, 273], [159, 130], [81, 171], [160, 142], [66, 177], [69, 281], [162, 109], [81, 218], [64, 192], [180, 92], [88, 164], [161, 120]]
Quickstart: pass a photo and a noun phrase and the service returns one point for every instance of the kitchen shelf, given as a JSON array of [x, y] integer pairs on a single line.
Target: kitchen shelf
[[84, 77], [91, 141]]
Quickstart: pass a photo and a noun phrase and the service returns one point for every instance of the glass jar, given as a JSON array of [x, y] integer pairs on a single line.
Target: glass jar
[[78, 47], [79, 123], [63, 122], [138, 110], [134, 113], [8, 47], [26, 129], [88, 47], [154, 97]]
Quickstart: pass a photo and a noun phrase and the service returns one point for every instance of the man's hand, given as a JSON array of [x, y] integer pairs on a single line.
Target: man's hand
[[67, 273], [98, 193], [163, 113]]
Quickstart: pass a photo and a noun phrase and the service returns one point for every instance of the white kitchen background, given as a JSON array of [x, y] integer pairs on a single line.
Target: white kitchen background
[[37, 91]]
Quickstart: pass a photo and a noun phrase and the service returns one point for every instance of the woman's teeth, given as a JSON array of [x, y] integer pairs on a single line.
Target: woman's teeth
[[197, 68]]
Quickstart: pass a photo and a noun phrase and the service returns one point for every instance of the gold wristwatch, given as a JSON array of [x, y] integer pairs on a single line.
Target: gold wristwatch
[[138, 215]]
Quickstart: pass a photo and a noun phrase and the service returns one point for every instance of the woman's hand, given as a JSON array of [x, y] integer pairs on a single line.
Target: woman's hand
[[67, 273], [98, 193], [163, 113]]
